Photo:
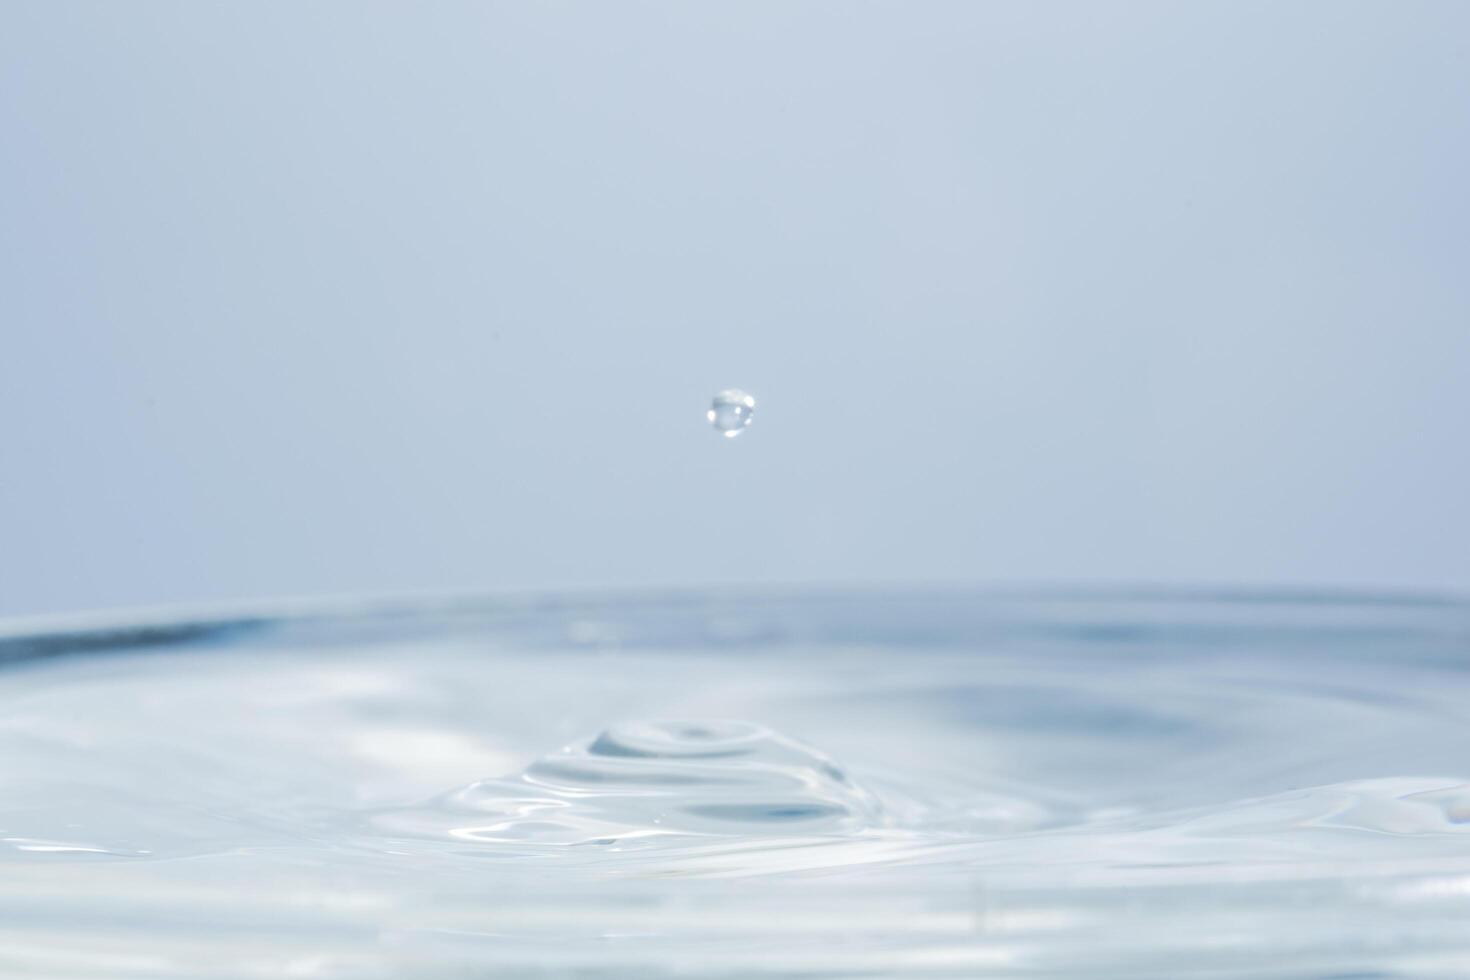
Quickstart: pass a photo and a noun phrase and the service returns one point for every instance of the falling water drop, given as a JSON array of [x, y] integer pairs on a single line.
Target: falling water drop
[[731, 412]]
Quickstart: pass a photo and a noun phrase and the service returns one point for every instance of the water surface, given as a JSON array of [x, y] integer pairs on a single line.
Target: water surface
[[765, 785]]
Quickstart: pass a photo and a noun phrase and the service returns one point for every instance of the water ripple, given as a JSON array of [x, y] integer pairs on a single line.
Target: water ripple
[[662, 779]]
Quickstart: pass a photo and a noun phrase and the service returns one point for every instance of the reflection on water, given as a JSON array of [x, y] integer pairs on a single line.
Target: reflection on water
[[902, 785]]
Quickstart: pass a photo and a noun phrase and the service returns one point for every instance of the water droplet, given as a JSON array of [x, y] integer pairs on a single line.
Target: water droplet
[[731, 411]]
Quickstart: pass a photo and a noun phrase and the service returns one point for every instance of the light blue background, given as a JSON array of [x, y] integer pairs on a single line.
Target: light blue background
[[304, 298]]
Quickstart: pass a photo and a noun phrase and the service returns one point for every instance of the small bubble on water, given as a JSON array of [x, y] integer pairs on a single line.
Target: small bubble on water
[[730, 412]]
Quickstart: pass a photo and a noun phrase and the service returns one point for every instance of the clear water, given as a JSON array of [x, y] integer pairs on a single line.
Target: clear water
[[806, 786], [731, 411]]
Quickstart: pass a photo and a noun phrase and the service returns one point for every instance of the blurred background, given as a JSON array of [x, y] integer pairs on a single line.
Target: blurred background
[[347, 297]]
